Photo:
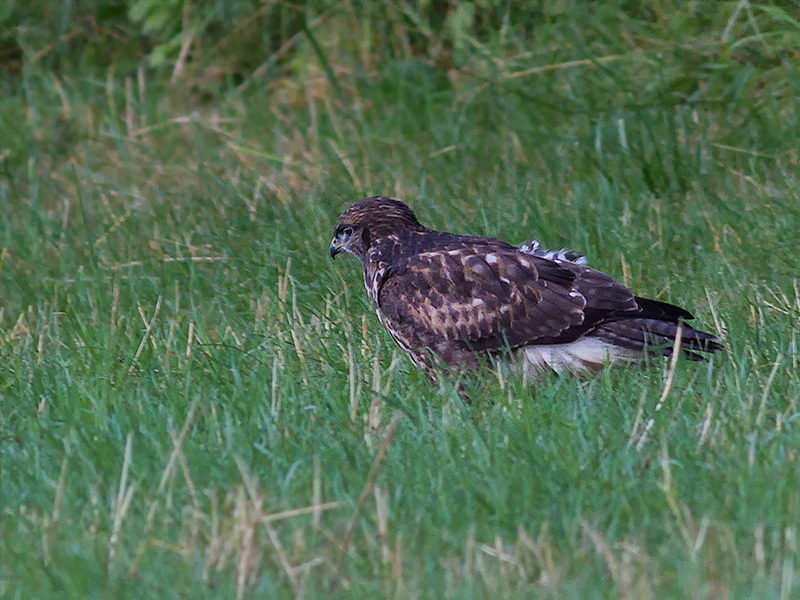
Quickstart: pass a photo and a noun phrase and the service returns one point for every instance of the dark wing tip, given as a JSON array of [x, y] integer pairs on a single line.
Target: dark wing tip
[[655, 309]]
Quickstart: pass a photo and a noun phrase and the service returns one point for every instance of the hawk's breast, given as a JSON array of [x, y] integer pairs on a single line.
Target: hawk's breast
[[375, 273]]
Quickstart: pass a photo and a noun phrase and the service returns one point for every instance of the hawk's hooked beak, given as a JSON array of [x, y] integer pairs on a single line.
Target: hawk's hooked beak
[[335, 248]]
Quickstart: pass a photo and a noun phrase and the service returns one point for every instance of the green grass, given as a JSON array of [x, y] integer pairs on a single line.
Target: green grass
[[180, 358]]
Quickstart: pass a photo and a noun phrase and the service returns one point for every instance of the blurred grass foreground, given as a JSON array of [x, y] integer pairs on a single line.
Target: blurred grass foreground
[[196, 402]]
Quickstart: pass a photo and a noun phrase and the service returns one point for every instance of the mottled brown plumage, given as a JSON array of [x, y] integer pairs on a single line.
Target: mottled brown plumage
[[449, 299]]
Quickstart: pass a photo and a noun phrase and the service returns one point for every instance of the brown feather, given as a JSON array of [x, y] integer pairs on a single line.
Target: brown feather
[[447, 298]]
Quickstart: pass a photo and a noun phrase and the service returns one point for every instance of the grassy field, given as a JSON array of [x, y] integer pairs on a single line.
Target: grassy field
[[196, 402]]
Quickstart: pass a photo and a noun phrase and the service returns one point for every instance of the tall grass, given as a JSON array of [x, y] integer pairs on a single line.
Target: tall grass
[[196, 401]]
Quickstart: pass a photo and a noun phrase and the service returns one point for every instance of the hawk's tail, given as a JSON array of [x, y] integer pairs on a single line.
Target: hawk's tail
[[657, 337], [653, 329]]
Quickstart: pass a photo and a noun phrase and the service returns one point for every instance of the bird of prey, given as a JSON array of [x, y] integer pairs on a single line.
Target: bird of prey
[[452, 300]]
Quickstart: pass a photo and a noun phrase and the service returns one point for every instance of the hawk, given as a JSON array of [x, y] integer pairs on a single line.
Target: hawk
[[451, 300]]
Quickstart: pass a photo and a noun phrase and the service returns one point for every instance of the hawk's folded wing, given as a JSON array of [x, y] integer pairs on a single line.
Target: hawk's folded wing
[[492, 298]]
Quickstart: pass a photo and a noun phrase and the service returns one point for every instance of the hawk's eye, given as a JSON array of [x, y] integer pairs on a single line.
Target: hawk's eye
[[347, 231]]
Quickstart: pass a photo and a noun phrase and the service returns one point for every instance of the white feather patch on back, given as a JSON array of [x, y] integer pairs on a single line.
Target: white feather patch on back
[[582, 355], [534, 247]]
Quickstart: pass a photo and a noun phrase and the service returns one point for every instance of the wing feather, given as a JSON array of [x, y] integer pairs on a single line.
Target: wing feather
[[467, 298], [486, 298]]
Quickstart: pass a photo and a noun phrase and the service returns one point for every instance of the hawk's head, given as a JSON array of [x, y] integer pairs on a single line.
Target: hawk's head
[[368, 221]]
